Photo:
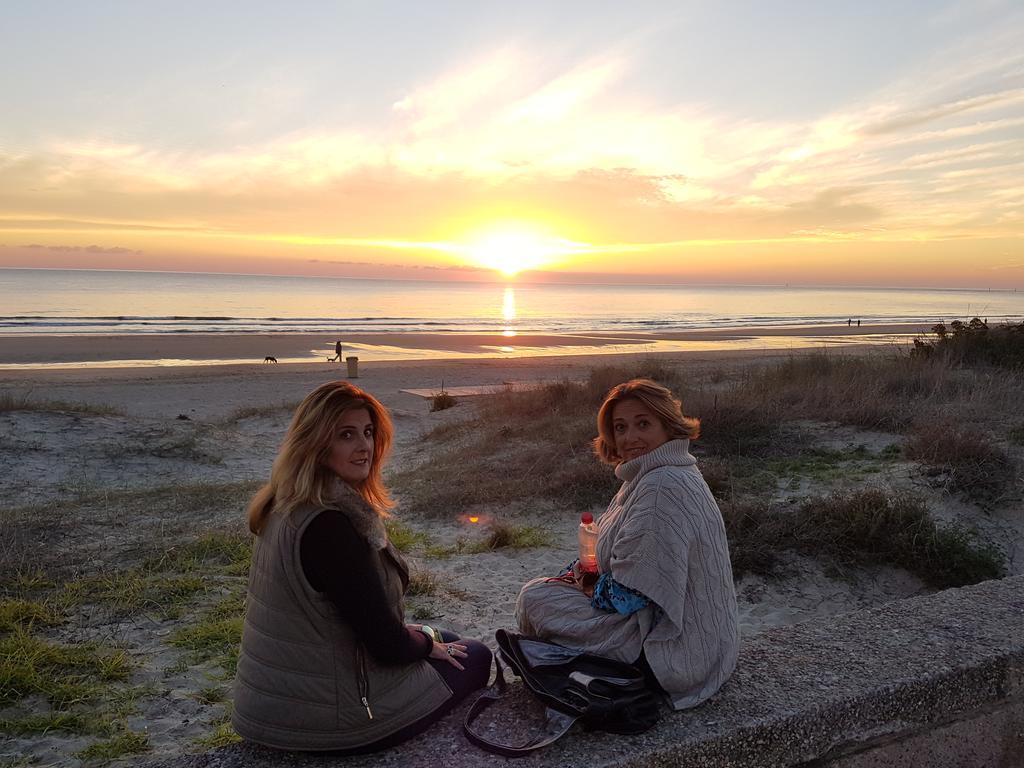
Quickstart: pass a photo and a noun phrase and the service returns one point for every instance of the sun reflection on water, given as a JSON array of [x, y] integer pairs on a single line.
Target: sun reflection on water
[[508, 311]]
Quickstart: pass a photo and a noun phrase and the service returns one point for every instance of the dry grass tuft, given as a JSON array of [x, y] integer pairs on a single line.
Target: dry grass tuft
[[10, 402], [260, 411], [423, 582], [972, 464], [522, 445], [537, 445], [509, 536]]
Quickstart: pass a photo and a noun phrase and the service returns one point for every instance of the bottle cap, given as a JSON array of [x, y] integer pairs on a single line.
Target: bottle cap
[[586, 518]]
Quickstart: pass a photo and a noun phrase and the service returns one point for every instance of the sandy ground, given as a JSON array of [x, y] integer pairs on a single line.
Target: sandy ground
[[179, 425]]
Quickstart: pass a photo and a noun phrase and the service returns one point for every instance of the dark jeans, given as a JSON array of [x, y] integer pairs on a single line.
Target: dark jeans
[[462, 682]]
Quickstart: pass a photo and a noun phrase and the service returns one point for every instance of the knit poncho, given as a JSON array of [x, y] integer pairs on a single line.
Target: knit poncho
[[662, 535]]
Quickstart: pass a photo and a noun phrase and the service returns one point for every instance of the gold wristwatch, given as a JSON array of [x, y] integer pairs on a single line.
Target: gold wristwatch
[[430, 632]]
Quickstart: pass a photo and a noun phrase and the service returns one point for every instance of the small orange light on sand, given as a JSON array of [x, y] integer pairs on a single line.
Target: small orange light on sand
[[474, 519]]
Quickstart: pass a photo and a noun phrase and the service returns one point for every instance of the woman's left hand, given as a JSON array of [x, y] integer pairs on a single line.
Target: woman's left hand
[[450, 652], [584, 580]]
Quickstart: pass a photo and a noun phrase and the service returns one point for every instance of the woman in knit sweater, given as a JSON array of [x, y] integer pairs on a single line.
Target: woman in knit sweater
[[327, 662], [664, 597]]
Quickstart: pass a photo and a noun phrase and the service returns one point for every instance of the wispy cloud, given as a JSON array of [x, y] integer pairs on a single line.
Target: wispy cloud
[[936, 154], [94, 249]]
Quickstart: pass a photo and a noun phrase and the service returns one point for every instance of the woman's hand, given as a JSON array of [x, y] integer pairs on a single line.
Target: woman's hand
[[584, 580], [450, 652]]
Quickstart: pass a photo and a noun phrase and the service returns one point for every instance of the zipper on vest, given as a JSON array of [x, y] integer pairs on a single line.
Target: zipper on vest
[[364, 681]]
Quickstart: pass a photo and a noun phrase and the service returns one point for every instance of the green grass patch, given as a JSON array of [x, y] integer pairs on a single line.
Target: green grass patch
[[445, 551], [179, 506], [210, 695], [17, 613], [30, 582], [216, 636], [499, 535], [224, 552], [127, 593], [403, 537], [63, 674], [509, 536], [223, 735], [868, 526], [70, 722], [120, 745], [826, 466], [891, 452]]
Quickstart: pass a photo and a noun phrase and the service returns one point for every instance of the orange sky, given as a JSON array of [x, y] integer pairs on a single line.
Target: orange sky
[[599, 160]]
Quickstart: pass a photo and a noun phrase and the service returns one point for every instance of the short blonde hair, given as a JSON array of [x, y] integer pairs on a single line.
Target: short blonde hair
[[299, 475], [662, 404]]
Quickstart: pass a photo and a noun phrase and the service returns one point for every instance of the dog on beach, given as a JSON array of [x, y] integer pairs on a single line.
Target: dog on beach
[[269, 359]]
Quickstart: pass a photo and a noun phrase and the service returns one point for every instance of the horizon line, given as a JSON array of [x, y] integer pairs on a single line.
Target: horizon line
[[513, 282]]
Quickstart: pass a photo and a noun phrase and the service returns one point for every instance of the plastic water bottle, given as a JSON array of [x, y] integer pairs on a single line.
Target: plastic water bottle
[[588, 543]]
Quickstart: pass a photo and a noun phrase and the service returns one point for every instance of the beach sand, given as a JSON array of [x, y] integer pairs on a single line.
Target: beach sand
[[181, 427], [191, 349]]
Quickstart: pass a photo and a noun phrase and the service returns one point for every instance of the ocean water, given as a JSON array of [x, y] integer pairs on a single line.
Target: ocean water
[[117, 302]]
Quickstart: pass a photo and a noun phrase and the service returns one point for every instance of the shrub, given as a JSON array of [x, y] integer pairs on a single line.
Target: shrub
[[975, 466], [868, 526], [441, 401], [974, 342], [734, 425]]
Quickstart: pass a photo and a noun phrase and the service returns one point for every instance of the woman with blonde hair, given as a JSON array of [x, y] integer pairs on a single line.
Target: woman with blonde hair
[[663, 597], [327, 662]]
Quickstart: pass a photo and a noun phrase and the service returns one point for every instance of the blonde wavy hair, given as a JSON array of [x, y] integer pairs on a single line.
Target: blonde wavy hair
[[299, 475], [659, 400]]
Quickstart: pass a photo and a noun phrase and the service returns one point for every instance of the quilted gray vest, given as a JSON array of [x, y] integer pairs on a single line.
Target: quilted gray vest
[[304, 681]]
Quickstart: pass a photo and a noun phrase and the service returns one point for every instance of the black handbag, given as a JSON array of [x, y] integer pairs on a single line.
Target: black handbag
[[603, 694]]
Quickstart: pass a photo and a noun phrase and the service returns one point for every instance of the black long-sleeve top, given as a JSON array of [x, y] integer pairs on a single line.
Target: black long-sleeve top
[[339, 562]]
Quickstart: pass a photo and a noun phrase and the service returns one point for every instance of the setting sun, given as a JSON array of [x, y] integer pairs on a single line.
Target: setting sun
[[513, 250]]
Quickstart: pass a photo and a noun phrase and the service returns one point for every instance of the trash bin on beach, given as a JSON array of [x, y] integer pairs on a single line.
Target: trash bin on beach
[[353, 367]]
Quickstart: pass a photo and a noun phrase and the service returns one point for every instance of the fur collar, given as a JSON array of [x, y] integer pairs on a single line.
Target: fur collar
[[364, 518]]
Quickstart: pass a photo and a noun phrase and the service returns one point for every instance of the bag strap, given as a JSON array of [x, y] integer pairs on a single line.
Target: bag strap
[[555, 723]]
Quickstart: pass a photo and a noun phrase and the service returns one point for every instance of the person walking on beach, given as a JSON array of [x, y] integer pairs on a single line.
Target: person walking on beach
[[337, 353], [327, 663], [664, 598]]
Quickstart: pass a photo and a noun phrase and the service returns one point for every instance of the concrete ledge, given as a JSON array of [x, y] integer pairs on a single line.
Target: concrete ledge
[[909, 683]]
